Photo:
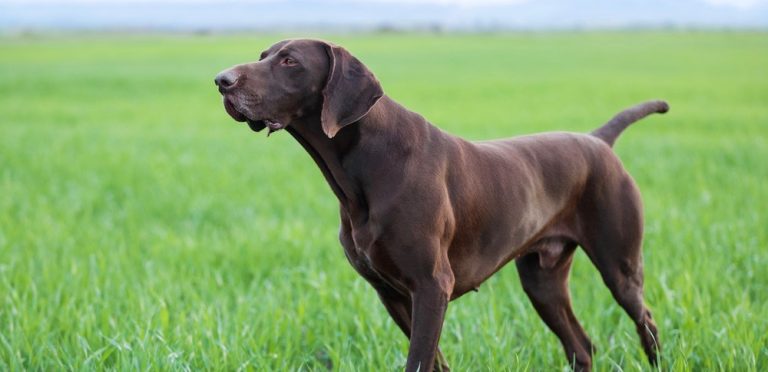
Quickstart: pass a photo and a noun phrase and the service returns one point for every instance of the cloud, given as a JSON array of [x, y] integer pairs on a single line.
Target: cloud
[[453, 2], [462, 3], [740, 4]]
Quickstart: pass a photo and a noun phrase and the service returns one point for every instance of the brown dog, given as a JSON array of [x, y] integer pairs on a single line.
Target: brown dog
[[427, 217]]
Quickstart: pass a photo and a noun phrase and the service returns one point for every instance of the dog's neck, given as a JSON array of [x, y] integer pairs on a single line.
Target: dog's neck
[[328, 154], [384, 124]]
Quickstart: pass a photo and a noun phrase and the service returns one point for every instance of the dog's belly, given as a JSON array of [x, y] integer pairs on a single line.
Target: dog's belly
[[475, 257], [529, 186]]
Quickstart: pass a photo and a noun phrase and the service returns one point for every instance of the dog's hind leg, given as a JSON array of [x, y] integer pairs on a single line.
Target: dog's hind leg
[[544, 276], [613, 240], [622, 270]]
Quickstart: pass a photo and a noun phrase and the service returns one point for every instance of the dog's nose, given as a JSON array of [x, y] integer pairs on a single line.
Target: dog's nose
[[226, 79]]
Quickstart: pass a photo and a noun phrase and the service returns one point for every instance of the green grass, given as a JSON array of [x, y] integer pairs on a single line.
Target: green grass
[[142, 229]]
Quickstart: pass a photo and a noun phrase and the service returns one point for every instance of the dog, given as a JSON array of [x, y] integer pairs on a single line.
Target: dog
[[427, 216]]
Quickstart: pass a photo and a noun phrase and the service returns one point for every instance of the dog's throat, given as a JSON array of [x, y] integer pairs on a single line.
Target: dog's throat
[[346, 197]]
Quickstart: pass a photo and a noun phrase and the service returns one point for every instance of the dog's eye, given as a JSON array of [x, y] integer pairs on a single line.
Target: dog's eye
[[288, 61]]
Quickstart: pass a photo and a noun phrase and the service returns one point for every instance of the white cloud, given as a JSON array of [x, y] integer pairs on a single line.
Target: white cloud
[[741, 4], [463, 3], [124, 1], [453, 2], [736, 4]]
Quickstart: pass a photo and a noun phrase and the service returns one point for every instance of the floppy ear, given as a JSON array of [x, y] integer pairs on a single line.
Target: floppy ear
[[349, 93]]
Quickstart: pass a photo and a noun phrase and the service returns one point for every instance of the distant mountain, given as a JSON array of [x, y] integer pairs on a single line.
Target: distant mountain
[[199, 15]]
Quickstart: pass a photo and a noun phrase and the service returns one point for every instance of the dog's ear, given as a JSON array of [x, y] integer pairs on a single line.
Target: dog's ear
[[350, 91]]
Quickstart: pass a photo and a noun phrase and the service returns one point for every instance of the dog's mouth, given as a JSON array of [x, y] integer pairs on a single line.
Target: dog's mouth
[[258, 125], [232, 111], [255, 125]]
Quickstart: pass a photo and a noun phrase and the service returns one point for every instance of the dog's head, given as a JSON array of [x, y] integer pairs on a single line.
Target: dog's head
[[295, 79]]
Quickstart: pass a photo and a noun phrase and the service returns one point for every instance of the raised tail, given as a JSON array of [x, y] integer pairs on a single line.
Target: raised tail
[[613, 128]]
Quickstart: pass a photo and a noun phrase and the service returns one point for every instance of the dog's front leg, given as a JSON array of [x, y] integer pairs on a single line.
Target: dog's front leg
[[430, 301], [399, 308]]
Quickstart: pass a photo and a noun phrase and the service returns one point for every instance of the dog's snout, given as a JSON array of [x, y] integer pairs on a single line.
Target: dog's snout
[[226, 79]]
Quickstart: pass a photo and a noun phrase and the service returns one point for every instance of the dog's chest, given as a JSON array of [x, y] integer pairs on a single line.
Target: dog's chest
[[357, 244], [358, 257]]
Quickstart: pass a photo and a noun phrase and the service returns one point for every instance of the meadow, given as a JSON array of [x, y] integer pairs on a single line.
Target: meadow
[[142, 229]]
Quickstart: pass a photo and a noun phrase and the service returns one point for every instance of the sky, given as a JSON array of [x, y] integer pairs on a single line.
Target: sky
[[730, 3], [225, 15]]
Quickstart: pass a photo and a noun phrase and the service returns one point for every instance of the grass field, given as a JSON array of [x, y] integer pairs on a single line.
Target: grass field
[[142, 229]]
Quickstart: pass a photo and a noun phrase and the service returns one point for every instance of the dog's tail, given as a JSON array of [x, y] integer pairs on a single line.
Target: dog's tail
[[613, 128]]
